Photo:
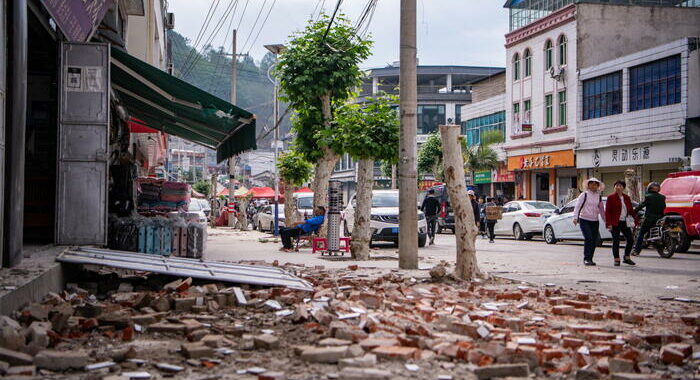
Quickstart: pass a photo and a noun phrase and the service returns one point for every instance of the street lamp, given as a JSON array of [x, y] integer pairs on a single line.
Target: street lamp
[[276, 49]]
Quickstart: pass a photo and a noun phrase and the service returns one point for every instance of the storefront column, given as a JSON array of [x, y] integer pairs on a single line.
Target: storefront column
[[553, 186], [16, 131]]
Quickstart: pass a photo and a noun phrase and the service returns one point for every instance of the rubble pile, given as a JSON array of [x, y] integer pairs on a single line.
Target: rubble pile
[[353, 326]]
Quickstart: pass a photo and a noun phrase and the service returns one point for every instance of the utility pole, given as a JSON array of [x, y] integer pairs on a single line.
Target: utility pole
[[276, 50], [232, 160], [408, 215]]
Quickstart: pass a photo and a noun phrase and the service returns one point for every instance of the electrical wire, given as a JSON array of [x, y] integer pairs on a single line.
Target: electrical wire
[[262, 26], [252, 29], [330, 23], [200, 33]]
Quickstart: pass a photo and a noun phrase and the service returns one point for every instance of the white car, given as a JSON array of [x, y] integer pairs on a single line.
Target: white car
[[305, 205], [195, 211], [523, 219], [266, 219], [384, 219], [560, 226]]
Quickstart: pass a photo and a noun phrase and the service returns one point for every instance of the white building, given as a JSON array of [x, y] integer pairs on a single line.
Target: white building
[[551, 43], [644, 120]]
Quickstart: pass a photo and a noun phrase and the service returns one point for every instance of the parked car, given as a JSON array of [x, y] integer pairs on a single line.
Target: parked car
[[206, 207], [523, 219], [682, 191], [194, 211], [560, 225], [266, 220], [384, 219]]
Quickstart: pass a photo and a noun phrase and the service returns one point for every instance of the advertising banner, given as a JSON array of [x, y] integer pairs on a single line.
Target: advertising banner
[[77, 19]]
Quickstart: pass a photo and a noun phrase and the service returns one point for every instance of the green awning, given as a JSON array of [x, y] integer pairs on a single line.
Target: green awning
[[178, 108]]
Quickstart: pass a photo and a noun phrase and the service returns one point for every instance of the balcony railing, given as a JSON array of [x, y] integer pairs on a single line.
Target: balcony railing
[[366, 89]]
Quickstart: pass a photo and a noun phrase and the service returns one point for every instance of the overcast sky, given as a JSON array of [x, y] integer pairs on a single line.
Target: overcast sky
[[450, 32]]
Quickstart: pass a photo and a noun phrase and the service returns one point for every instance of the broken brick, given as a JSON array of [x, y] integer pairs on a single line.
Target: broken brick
[[502, 370], [397, 352], [266, 341], [196, 350]]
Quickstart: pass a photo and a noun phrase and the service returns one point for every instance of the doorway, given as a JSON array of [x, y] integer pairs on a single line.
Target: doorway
[[541, 185], [41, 136]]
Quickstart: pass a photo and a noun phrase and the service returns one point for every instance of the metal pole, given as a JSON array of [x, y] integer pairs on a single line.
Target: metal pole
[[232, 160], [275, 113], [16, 131], [408, 216]]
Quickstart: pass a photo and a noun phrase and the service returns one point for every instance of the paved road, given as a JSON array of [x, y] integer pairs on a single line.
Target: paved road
[[531, 261]]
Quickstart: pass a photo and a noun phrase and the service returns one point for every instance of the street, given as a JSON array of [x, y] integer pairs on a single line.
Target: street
[[530, 261]]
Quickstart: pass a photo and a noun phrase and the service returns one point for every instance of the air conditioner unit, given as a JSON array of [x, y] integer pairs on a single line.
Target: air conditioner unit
[[169, 20]]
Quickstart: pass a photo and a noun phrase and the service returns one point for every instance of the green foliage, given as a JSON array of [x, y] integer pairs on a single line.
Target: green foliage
[[315, 64], [429, 157], [385, 168], [294, 168], [483, 157], [202, 187], [370, 130]]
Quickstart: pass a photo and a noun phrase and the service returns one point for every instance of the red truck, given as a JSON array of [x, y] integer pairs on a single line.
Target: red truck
[[682, 191]]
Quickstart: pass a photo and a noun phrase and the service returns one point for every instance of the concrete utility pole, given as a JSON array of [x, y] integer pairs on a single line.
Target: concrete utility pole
[[408, 215], [276, 50], [232, 160]]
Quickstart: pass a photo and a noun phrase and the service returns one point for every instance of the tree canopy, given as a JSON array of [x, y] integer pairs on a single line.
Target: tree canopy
[[294, 168], [370, 130]]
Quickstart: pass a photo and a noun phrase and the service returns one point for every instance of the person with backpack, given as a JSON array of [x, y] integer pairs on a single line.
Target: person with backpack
[[620, 217], [589, 207], [492, 213]]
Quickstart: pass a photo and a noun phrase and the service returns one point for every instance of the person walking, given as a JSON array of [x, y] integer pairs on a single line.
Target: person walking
[[475, 208], [589, 207], [619, 218], [431, 209], [655, 204], [482, 217], [491, 216]]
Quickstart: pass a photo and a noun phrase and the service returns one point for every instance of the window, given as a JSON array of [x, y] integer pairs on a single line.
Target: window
[[602, 96], [429, 117], [528, 63], [516, 66], [562, 108], [474, 128], [562, 50], [548, 55], [655, 84], [516, 113], [548, 111], [458, 114], [526, 108]]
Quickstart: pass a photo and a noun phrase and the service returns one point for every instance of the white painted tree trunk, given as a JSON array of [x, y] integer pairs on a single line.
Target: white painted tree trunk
[[361, 233], [243, 213], [465, 227], [290, 208]]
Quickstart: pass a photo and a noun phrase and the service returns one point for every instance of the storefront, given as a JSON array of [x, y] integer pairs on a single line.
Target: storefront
[[544, 176], [503, 183], [482, 183], [652, 162]]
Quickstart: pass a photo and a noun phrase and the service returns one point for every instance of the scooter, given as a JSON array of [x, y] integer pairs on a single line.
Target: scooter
[[665, 236]]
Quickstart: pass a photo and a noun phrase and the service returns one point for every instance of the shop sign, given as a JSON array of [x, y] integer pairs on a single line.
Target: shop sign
[[561, 158], [638, 154], [482, 177], [503, 175], [77, 18]]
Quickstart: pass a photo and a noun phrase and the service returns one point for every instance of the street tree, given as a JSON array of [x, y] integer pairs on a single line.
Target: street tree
[[294, 170], [482, 156], [319, 70], [429, 157], [370, 133]]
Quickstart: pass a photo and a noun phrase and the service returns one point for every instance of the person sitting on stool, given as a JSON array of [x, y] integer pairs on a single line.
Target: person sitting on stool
[[307, 227]]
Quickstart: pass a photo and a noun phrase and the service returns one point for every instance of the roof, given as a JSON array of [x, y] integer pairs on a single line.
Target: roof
[[502, 72], [178, 108], [438, 69]]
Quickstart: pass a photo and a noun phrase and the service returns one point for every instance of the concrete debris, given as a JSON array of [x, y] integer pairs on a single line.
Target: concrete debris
[[353, 326]]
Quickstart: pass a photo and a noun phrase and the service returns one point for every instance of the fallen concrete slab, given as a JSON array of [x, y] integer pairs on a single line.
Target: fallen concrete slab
[[183, 267]]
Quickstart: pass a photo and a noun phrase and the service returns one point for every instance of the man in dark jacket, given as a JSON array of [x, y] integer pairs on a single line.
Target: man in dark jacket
[[475, 208], [655, 204], [431, 208]]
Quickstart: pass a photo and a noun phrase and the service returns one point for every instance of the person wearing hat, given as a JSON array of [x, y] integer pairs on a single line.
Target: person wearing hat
[[475, 208], [655, 204], [589, 208]]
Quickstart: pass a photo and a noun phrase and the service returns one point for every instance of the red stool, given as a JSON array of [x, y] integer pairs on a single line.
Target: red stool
[[321, 244]]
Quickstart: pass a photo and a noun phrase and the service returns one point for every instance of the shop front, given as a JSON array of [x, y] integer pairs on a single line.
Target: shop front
[[544, 176], [503, 183], [651, 162], [482, 183]]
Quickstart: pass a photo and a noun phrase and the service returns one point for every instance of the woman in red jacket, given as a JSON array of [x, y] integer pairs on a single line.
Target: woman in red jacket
[[619, 217]]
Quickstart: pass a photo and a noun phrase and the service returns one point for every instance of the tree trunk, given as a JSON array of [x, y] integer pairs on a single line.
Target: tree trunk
[[243, 213], [465, 228], [361, 233], [393, 177], [289, 205], [322, 174]]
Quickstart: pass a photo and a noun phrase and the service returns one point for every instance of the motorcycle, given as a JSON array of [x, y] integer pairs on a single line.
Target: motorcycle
[[665, 236]]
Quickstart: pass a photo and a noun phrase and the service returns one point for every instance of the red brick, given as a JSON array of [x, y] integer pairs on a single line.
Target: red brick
[[562, 310], [396, 352], [515, 296], [601, 351], [692, 319], [599, 335], [670, 355], [571, 342], [614, 314], [556, 300], [683, 348], [372, 343], [629, 354], [553, 353], [578, 304], [633, 318], [582, 296]]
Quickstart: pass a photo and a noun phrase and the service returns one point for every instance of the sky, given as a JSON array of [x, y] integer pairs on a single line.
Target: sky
[[450, 32]]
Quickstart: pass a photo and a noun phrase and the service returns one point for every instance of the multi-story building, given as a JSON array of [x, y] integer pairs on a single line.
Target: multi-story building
[[640, 111], [548, 45], [442, 91]]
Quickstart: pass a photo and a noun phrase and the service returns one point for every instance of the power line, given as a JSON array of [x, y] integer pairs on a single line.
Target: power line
[[330, 23], [257, 18], [262, 26], [200, 34]]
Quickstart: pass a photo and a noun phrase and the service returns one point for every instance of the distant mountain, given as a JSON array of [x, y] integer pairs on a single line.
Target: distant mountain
[[210, 70]]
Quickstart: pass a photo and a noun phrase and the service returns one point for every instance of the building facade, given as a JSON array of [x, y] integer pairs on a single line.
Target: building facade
[[642, 121], [558, 55]]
